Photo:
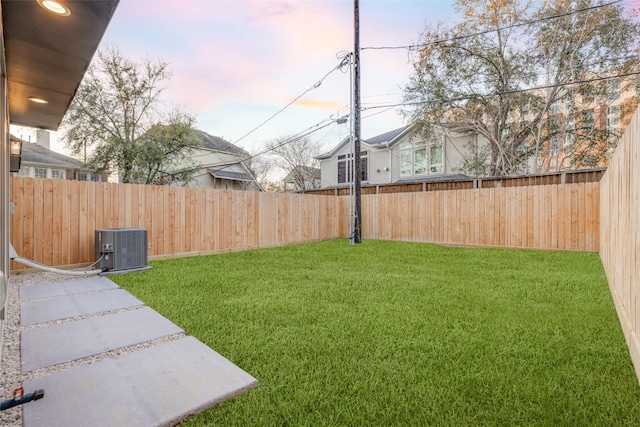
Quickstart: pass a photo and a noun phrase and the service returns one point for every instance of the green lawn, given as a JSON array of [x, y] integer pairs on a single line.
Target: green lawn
[[390, 333]]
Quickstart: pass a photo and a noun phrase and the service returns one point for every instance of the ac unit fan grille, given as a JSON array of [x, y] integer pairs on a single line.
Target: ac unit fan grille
[[129, 248]]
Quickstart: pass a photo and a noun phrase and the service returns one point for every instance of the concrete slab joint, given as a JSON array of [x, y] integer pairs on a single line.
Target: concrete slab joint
[[89, 340]]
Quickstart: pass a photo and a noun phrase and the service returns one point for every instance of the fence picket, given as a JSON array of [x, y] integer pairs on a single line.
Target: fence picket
[[62, 216]]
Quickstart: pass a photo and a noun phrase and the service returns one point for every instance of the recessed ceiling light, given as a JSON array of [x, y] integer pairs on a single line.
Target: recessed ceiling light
[[38, 100], [55, 7]]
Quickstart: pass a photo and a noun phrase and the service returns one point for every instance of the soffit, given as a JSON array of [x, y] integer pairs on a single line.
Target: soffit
[[48, 55]]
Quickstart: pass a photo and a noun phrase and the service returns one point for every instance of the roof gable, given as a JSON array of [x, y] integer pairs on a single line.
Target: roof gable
[[215, 143], [382, 140], [37, 154], [388, 137]]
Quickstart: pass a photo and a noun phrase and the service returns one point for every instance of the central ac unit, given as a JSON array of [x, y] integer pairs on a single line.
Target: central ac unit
[[121, 249]]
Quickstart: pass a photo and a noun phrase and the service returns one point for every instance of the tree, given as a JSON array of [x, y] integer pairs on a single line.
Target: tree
[[262, 169], [296, 156], [165, 154], [114, 119], [502, 71]]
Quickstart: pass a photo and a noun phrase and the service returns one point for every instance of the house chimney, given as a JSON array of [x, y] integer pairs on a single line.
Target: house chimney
[[43, 138]]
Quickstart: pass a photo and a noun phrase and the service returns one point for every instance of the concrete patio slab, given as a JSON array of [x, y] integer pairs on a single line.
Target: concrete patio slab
[[47, 310], [54, 344], [48, 290], [156, 386]]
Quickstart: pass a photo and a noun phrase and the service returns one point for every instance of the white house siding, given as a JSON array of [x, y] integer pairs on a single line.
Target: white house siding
[[379, 166], [384, 161], [329, 167]]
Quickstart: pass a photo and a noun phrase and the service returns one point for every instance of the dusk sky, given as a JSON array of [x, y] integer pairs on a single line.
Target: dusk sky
[[236, 63]]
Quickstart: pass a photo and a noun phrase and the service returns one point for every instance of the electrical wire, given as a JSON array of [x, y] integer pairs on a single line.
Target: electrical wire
[[535, 75], [316, 85], [507, 92], [345, 61], [480, 33]]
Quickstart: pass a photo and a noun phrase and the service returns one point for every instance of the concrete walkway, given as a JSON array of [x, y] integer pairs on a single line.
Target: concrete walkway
[[103, 358]]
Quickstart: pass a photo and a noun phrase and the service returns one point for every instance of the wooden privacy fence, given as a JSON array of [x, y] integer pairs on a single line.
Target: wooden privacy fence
[[564, 217], [620, 234], [54, 220], [466, 183]]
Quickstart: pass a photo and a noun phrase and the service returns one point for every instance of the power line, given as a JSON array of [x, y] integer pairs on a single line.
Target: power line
[[480, 33], [507, 92], [344, 61], [288, 141], [535, 75]]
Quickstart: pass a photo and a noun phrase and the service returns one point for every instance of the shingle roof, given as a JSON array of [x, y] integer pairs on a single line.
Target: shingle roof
[[34, 153], [386, 137], [237, 176], [216, 143], [435, 178]]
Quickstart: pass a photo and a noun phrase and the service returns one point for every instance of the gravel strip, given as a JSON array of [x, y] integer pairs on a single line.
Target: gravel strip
[[11, 367], [12, 376]]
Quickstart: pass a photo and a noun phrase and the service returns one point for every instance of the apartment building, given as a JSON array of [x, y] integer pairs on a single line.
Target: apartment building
[[582, 129]]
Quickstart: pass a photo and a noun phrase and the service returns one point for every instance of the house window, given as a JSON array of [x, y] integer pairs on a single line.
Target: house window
[[364, 166], [41, 173], [420, 157], [406, 159], [24, 171], [95, 177], [613, 116], [569, 138], [587, 94], [553, 146], [614, 89], [569, 141], [82, 176], [342, 169], [58, 174], [345, 167], [587, 120], [435, 160], [568, 100]]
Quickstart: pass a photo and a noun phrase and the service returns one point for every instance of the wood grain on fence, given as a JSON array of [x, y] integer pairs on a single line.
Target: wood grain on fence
[[54, 220], [564, 217], [620, 234]]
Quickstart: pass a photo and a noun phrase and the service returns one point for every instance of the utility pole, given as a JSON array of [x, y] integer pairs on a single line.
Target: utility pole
[[357, 163]]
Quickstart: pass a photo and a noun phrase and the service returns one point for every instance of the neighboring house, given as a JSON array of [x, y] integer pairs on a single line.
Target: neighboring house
[[222, 165], [563, 129], [40, 162], [401, 155], [302, 178]]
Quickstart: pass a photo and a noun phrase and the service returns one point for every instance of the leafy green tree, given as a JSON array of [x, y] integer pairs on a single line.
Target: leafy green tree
[[480, 74], [116, 122], [165, 155]]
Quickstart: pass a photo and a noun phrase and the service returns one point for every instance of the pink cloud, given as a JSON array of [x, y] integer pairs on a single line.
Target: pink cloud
[[249, 59]]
